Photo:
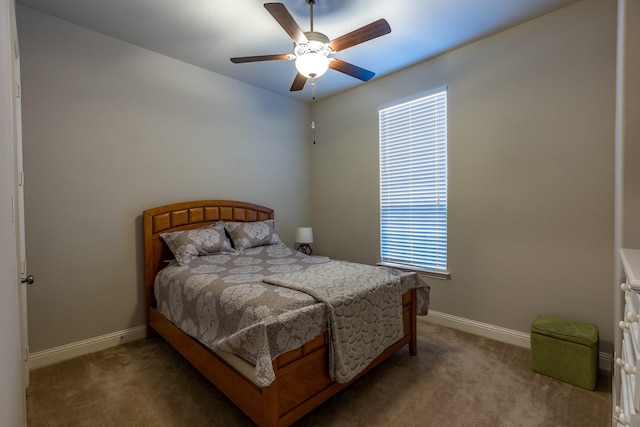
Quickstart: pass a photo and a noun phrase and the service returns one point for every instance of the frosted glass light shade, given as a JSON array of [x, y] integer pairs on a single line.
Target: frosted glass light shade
[[312, 64], [304, 235]]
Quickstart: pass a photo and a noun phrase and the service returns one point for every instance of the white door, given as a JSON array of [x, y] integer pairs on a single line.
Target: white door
[[19, 204]]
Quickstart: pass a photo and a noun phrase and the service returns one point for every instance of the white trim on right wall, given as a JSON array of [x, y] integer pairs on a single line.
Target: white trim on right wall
[[497, 333]]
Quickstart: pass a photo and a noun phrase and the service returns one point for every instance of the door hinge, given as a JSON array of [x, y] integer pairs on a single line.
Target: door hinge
[[26, 354], [20, 179], [18, 90]]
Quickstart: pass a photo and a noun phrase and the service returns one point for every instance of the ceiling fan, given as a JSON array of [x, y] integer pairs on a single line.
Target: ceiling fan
[[312, 49]]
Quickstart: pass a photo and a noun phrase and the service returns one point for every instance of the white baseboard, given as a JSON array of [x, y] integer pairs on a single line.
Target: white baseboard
[[80, 348], [497, 333]]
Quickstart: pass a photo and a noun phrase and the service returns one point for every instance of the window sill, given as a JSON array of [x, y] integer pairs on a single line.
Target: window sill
[[434, 274]]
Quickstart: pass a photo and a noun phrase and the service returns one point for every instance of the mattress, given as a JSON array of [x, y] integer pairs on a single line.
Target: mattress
[[223, 301]]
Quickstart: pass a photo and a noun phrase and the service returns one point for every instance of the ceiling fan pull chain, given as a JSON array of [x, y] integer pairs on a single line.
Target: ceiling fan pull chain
[[313, 118]]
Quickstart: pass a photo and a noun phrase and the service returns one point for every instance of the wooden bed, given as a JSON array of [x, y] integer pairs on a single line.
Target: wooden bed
[[302, 379]]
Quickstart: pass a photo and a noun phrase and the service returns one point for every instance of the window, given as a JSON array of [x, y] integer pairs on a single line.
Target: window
[[413, 182]]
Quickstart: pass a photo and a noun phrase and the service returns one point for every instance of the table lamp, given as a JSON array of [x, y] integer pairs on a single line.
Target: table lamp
[[304, 236]]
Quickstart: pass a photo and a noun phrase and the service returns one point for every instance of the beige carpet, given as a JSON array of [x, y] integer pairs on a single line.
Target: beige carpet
[[457, 379]]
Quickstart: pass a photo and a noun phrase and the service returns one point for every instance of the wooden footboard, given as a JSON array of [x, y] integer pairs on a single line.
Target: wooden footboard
[[302, 376]]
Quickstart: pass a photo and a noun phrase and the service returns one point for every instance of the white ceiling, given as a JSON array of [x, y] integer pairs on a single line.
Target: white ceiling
[[206, 33]]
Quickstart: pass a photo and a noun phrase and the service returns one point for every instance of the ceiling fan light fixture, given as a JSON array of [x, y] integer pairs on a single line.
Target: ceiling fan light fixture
[[312, 58], [312, 64]]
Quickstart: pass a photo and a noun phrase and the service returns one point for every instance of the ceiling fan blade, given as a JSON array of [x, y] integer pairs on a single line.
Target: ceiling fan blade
[[286, 21], [361, 35], [350, 69], [279, 57], [298, 83]]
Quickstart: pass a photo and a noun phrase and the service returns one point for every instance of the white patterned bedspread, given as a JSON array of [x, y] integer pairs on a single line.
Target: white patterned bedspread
[[222, 301], [364, 306]]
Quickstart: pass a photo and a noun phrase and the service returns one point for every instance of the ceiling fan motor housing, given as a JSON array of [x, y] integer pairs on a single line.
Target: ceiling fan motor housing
[[317, 43]]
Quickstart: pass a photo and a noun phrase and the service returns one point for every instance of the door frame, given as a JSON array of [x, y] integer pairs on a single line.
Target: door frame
[[18, 204]]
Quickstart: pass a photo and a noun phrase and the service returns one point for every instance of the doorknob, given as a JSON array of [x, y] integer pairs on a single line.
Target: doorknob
[[28, 280]]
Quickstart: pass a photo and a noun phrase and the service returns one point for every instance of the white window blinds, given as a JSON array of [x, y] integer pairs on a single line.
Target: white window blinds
[[413, 182]]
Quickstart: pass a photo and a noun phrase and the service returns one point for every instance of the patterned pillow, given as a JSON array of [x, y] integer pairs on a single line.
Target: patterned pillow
[[187, 245], [245, 235]]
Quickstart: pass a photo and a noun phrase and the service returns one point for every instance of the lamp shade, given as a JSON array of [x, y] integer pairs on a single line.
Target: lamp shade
[[304, 235], [312, 64]]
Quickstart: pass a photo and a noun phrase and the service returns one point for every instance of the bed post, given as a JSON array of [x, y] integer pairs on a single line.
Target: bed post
[[271, 412], [413, 344], [149, 270]]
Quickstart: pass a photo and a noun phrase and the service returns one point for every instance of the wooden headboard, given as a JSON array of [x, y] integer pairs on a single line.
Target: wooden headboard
[[183, 216]]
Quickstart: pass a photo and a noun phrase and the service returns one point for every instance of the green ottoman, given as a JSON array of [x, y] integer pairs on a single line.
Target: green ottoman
[[565, 350]]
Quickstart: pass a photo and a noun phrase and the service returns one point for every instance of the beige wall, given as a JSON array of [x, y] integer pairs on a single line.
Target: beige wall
[[531, 113], [531, 170], [111, 129]]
